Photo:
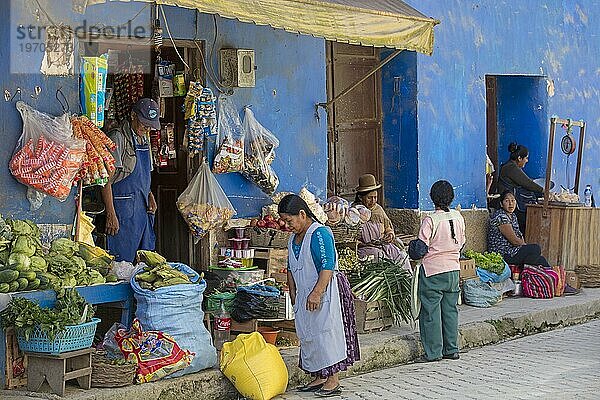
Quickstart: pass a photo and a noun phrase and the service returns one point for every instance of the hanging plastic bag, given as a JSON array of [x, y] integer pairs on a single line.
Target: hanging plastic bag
[[47, 156], [203, 204], [259, 153], [255, 367], [230, 139]]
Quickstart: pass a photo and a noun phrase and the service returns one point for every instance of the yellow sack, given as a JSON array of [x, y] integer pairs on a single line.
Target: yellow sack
[[255, 367]]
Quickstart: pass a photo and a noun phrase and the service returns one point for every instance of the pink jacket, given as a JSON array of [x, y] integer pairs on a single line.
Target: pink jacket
[[444, 252]]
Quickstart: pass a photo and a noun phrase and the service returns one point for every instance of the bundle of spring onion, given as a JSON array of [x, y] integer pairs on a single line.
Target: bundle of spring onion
[[387, 281]]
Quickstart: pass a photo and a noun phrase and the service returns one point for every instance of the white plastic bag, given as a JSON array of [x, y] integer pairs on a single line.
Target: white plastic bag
[[229, 155], [260, 145], [47, 156], [203, 204]]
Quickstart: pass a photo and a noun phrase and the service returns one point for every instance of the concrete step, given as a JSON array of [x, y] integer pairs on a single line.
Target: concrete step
[[511, 318]]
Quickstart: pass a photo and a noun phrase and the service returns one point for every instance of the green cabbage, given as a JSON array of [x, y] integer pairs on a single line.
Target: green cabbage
[[38, 264], [19, 261], [64, 246], [25, 245]]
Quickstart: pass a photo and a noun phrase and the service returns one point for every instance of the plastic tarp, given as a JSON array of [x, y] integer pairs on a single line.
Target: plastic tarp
[[379, 23]]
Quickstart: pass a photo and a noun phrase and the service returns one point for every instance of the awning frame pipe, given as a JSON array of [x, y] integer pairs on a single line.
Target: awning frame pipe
[[344, 92]]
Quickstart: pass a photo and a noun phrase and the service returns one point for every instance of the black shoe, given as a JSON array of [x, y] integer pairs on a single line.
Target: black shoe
[[336, 391], [424, 359], [307, 388], [453, 356]]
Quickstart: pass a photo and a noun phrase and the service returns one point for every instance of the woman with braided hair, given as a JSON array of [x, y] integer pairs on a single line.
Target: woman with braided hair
[[443, 232]]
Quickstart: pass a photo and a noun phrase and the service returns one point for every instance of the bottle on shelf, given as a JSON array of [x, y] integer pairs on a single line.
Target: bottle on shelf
[[222, 326], [587, 196]]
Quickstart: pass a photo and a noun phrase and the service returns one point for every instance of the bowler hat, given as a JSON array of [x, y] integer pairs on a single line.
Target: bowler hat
[[367, 183]]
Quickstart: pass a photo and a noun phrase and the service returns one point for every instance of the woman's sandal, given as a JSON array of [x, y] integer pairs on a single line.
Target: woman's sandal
[[336, 391], [308, 388]]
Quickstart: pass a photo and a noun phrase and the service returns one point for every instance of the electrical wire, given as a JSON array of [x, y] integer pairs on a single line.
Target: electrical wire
[[171, 37]]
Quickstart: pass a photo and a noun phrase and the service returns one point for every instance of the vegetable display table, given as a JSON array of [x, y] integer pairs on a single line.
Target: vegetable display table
[[118, 295], [58, 369]]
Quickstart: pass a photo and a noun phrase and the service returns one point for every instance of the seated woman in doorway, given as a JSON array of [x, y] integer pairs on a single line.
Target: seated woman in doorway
[[513, 178], [505, 237], [377, 237]]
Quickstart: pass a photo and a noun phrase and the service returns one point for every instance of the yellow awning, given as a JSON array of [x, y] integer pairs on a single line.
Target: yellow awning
[[380, 23]]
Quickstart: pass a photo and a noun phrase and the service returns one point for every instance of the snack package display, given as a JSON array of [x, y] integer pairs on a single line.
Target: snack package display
[[200, 117], [203, 204], [93, 87], [259, 153], [47, 157], [230, 139]]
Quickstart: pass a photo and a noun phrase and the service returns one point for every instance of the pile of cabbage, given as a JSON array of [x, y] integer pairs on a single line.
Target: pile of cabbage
[[65, 264]]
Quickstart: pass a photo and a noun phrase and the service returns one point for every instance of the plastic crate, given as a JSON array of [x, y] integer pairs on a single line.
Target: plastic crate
[[73, 337]]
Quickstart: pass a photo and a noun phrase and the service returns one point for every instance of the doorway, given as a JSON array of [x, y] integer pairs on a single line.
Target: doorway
[[354, 121], [517, 111]]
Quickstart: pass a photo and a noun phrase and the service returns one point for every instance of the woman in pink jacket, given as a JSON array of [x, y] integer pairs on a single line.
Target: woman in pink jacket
[[444, 234]]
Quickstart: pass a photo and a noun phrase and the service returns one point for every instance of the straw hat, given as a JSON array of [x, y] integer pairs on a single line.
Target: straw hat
[[367, 183]]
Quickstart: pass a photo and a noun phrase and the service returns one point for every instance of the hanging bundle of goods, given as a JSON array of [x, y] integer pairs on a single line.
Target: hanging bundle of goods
[[259, 153], [230, 139], [98, 162], [128, 88], [204, 205], [26, 265], [94, 71], [200, 117], [47, 157]]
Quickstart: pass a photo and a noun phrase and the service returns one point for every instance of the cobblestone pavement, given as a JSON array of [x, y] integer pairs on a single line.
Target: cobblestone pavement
[[561, 364]]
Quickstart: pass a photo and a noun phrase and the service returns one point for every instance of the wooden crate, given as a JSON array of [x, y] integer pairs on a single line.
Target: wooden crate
[[372, 316], [269, 238], [16, 362], [270, 259], [467, 269]]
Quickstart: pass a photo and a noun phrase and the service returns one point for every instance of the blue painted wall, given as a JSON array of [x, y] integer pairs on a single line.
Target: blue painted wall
[[399, 113], [522, 103], [555, 38], [290, 81]]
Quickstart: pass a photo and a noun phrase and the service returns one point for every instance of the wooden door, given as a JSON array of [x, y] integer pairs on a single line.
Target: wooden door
[[173, 239], [354, 121], [492, 127]]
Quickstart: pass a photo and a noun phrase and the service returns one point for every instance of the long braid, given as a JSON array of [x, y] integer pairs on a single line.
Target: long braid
[[451, 225]]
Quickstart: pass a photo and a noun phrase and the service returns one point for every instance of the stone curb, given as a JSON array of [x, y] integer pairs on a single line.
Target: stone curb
[[388, 350]]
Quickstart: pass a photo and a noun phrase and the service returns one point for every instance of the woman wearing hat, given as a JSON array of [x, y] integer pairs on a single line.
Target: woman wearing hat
[[322, 299], [377, 236]]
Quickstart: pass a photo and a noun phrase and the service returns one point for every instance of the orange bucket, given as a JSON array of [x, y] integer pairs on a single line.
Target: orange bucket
[[268, 333]]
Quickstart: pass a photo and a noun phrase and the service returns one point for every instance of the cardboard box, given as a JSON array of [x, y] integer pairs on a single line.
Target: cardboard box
[[572, 279], [467, 269]]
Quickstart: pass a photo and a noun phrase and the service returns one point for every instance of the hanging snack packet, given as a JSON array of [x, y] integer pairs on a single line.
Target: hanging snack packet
[[230, 139], [260, 145], [203, 204]]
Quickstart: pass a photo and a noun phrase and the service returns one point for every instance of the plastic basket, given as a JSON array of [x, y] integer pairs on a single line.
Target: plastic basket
[[73, 337]]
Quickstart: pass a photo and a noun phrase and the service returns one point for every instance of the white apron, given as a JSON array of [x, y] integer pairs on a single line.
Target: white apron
[[321, 332]]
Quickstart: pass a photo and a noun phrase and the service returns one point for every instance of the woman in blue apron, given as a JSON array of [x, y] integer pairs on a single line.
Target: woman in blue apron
[[132, 201], [323, 301]]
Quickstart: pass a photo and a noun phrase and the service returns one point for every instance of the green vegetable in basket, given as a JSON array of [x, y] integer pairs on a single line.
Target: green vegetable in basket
[[26, 316], [493, 262]]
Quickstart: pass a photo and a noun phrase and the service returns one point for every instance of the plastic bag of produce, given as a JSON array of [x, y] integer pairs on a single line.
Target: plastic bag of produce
[[203, 204], [480, 294], [230, 139], [255, 367], [177, 311], [156, 353], [47, 156], [259, 153]]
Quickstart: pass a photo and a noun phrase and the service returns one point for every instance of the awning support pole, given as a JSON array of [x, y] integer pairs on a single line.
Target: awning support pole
[[361, 80]]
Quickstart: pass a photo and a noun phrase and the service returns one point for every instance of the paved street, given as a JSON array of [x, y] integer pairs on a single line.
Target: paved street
[[561, 364]]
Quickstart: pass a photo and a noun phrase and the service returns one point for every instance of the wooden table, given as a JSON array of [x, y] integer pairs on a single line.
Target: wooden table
[[567, 235]]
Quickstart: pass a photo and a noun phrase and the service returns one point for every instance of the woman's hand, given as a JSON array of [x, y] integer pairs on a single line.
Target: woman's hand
[[389, 237], [509, 233], [313, 302], [152, 206]]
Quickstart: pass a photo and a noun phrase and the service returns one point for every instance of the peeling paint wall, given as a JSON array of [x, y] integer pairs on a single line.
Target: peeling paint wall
[[555, 38], [290, 80]]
